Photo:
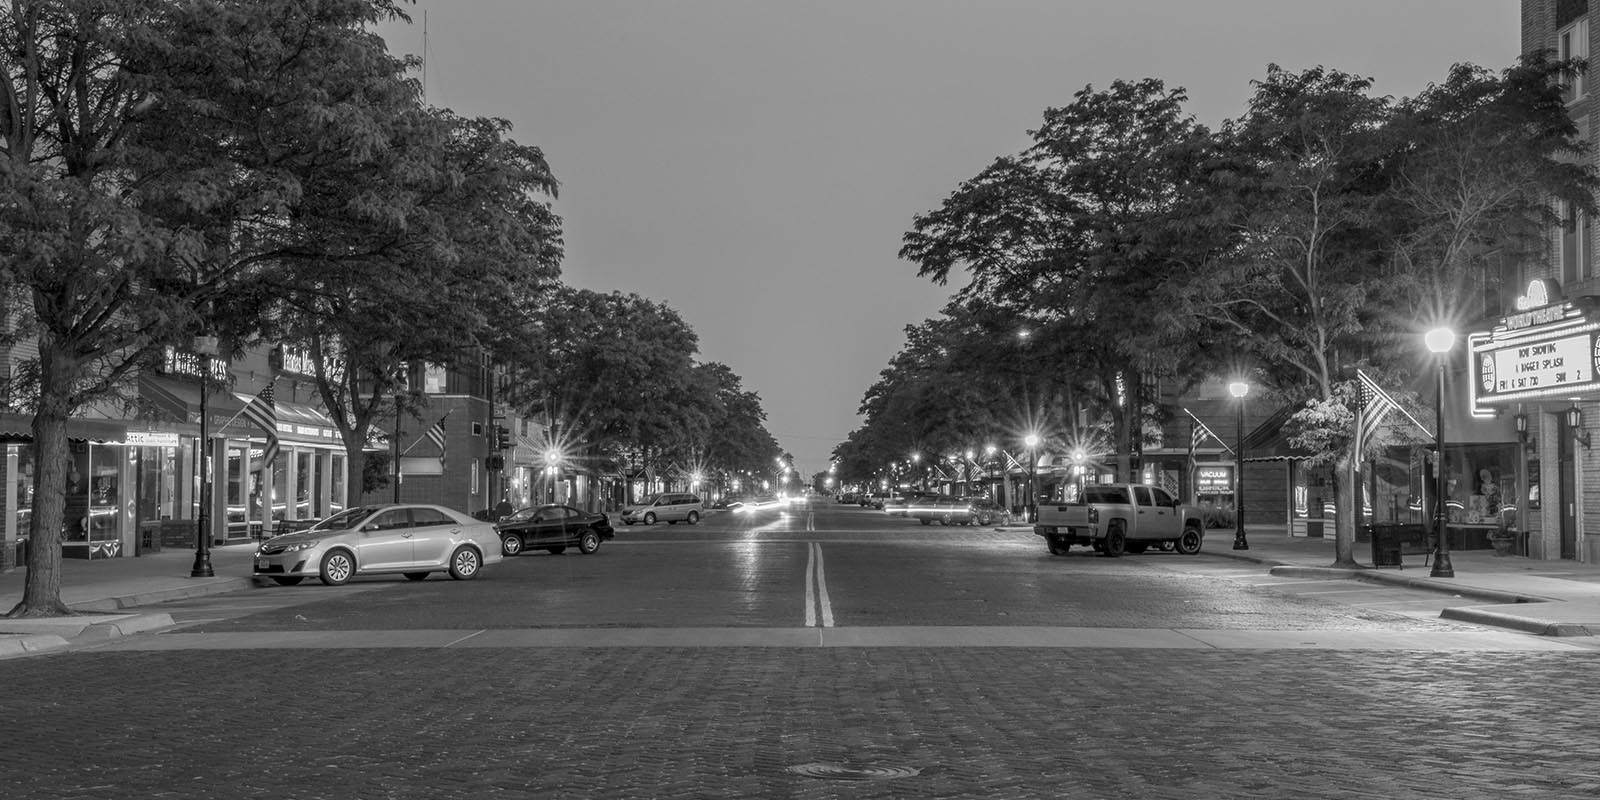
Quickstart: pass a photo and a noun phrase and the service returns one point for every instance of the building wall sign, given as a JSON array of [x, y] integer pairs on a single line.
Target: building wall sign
[[1550, 346], [1213, 480], [152, 439]]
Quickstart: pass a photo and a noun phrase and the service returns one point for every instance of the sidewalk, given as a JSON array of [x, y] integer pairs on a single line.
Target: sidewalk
[[108, 592], [1549, 598]]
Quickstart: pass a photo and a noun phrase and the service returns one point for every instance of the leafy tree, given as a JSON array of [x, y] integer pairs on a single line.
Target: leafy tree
[[139, 196], [1050, 236]]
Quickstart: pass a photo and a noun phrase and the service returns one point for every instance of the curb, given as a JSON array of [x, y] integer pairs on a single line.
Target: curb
[[127, 601], [1500, 619], [1425, 584], [29, 644]]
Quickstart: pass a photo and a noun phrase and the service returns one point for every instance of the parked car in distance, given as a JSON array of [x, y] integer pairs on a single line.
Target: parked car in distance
[[669, 507], [409, 539], [553, 528]]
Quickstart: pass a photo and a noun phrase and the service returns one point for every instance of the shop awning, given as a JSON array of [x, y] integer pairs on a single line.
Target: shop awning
[[17, 427], [298, 422], [179, 401], [1270, 442]]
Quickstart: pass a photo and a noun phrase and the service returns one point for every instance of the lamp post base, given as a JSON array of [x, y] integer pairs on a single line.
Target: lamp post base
[[1239, 542], [202, 566], [1442, 567]]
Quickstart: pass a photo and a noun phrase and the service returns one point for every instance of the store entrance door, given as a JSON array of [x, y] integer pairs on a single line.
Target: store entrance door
[[1569, 495]]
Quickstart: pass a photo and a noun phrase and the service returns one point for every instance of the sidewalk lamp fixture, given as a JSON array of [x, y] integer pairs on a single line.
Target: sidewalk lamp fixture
[[1239, 389], [1032, 441], [206, 348], [966, 474], [1439, 341], [1575, 422], [1521, 421]]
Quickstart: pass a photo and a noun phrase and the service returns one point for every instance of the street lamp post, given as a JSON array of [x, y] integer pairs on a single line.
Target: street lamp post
[[966, 475], [1239, 389], [1032, 441], [206, 347], [1440, 340]]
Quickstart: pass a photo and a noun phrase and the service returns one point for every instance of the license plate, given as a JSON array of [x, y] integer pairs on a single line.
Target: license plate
[[261, 563]]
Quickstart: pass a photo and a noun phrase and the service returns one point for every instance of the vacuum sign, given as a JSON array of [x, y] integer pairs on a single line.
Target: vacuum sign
[[1522, 369]]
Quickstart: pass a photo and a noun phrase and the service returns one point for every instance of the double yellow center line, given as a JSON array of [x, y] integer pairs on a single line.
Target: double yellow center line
[[819, 611]]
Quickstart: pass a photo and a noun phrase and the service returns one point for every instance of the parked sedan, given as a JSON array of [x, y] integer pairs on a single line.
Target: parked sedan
[[409, 539], [553, 528]]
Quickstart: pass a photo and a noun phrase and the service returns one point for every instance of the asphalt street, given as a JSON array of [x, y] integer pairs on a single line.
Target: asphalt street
[[825, 652]]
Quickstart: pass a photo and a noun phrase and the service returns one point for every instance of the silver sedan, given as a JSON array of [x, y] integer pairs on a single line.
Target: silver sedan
[[413, 540]]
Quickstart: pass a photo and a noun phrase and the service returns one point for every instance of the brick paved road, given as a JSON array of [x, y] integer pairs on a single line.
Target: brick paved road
[[959, 720], [730, 722]]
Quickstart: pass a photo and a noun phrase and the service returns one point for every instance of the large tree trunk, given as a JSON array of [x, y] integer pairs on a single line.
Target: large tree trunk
[[41, 594], [1347, 505]]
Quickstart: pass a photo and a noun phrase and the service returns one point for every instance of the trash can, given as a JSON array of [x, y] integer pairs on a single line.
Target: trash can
[[1385, 545], [149, 540]]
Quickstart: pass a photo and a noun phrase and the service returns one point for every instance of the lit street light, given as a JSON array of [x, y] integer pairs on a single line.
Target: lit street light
[[1239, 389], [206, 347], [1440, 340], [1032, 441]]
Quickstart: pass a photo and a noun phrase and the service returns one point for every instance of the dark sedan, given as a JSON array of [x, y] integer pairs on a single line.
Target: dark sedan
[[553, 529]]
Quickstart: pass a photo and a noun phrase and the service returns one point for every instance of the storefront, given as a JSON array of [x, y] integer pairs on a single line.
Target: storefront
[[98, 519], [1537, 374]]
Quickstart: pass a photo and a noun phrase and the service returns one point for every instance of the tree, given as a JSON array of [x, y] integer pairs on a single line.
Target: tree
[[130, 217], [1051, 236]]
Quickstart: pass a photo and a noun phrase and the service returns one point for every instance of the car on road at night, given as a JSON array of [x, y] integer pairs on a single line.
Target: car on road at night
[[668, 507], [410, 539], [956, 511], [553, 528]]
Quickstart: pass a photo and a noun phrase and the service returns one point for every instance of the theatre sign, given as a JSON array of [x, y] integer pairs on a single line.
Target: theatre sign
[[1548, 347]]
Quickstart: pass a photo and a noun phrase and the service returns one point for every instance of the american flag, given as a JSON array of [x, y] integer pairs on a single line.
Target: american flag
[[435, 434], [1375, 405], [264, 414], [1199, 435]]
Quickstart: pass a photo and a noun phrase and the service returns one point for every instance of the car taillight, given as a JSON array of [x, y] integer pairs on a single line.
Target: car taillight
[[1094, 514]]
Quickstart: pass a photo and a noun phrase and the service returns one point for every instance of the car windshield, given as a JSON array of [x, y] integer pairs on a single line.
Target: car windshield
[[347, 518]]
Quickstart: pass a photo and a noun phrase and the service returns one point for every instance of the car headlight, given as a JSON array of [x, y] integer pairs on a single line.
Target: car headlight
[[298, 546]]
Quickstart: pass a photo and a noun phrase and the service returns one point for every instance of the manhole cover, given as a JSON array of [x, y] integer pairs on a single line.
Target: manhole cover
[[840, 772]]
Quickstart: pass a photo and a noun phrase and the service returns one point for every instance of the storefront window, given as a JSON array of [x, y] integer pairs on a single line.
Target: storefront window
[[158, 483], [280, 488], [25, 470], [304, 480], [236, 492], [336, 502], [75, 520]]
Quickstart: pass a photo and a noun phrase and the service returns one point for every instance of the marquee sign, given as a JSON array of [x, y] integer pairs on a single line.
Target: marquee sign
[[1550, 346]]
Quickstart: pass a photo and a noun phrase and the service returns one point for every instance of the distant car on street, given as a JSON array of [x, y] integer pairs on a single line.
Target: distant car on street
[[413, 540], [668, 507], [553, 528]]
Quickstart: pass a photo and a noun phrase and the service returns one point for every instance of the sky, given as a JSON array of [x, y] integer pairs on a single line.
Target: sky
[[753, 164]]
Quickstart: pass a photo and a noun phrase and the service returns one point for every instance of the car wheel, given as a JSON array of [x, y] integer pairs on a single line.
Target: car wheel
[[944, 520], [588, 542], [926, 521], [1116, 542], [464, 563], [286, 581], [1056, 545], [1189, 543], [650, 519], [416, 576], [511, 544], [557, 550], [337, 567], [694, 516]]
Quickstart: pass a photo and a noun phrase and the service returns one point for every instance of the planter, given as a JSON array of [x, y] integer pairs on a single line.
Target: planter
[[1504, 544]]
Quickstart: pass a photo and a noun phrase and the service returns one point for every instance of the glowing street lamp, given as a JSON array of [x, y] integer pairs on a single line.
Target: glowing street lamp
[[1032, 441], [1239, 389], [1439, 341]]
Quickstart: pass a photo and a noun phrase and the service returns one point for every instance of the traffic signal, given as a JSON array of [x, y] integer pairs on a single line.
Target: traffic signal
[[502, 438], [495, 462]]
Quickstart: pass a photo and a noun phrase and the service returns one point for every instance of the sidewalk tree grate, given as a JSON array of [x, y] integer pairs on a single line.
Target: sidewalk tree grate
[[840, 772]]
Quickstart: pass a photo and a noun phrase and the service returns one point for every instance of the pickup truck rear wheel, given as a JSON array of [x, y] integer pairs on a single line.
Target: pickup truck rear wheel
[[1189, 542], [1057, 546], [1116, 542]]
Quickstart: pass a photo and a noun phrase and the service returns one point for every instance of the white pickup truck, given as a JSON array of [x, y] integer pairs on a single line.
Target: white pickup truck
[[1121, 518]]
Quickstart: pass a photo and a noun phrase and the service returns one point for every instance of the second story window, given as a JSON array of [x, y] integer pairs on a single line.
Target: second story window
[[433, 379], [1573, 42], [1576, 258]]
